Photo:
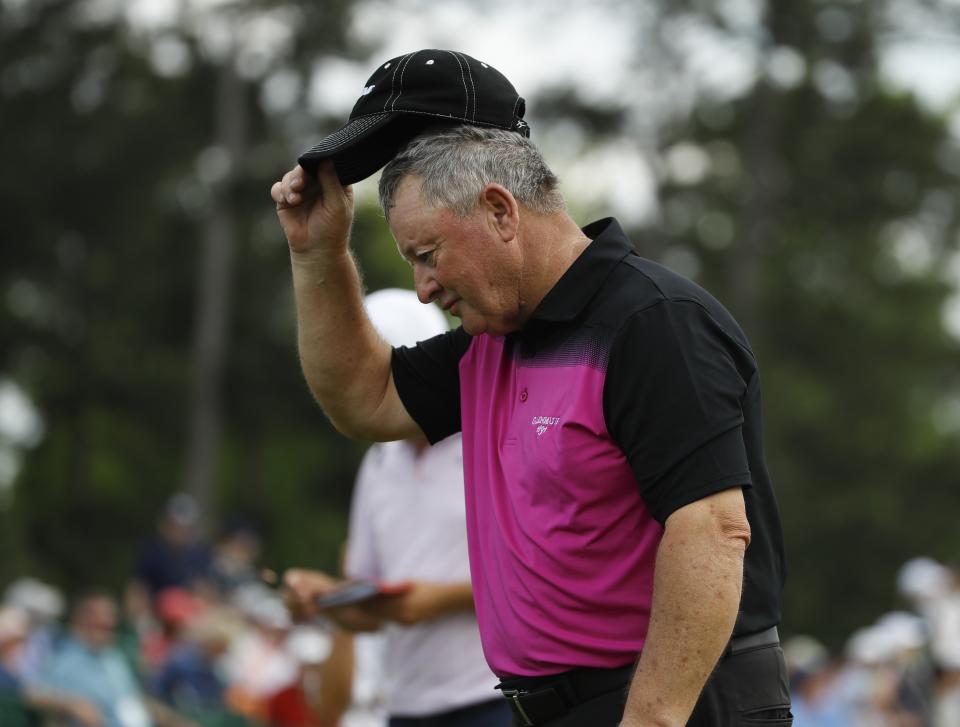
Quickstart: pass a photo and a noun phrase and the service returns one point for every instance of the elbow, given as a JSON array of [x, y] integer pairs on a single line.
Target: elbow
[[358, 428], [351, 429], [732, 528], [719, 519], [343, 418], [736, 533], [344, 427], [731, 525], [356, 412]]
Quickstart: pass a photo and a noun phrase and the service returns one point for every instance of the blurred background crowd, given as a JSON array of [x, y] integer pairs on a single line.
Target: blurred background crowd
[[198, 637], [799, 158], [903, 669]]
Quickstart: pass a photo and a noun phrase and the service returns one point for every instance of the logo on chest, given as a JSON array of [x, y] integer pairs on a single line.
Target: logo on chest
[[544, 423]]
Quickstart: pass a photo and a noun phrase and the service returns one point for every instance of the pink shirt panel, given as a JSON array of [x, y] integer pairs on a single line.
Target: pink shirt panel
[[562, 547]]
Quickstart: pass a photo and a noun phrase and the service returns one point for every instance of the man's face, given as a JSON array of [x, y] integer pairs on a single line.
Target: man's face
[[460, 262], [96, 624], [10, 649]]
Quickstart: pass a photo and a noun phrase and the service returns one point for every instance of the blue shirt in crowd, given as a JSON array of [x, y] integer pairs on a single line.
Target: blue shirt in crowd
[[102, 677]]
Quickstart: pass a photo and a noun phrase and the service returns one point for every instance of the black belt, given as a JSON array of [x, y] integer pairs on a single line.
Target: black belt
[[535, 700]]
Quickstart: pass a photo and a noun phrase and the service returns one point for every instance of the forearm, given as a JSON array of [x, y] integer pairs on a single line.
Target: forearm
[[454, 598], [697, 586], [345, 363], [425, 601], [43, 699], [336, 685]]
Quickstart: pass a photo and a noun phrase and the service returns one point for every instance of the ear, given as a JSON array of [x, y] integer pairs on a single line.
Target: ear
[[501, 210]]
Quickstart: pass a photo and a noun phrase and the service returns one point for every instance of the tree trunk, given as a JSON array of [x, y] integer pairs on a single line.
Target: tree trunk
[[213, 302]]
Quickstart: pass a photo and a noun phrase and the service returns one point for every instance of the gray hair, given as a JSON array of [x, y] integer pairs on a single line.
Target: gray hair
[[456, 163]]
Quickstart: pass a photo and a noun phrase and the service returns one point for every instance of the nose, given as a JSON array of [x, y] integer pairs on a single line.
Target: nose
[[426, 285]]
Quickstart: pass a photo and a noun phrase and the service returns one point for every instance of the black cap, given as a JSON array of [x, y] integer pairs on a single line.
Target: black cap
[[408, 94]]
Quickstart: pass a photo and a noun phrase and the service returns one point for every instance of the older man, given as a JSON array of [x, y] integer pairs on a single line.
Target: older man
[[625, 544], [90, 667]]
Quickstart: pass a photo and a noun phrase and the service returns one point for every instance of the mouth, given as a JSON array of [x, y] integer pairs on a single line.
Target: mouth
[[448, 305]]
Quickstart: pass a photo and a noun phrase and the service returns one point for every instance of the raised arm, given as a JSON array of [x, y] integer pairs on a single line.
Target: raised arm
[[344, 360]]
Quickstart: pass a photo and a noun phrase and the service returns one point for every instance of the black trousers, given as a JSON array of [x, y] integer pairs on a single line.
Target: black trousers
[[748, 689]]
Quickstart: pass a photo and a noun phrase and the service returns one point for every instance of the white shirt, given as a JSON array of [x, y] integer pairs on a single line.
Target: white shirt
[[407, 522]]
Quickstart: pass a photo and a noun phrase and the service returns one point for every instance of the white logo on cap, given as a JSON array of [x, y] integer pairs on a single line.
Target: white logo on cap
[[368, 89]]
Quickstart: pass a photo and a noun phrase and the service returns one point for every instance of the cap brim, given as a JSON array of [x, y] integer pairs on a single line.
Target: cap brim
[[345, 143], [366, 144]]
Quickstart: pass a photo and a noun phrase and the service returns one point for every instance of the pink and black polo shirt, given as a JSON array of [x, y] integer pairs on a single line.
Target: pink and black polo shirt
[[630, 393]]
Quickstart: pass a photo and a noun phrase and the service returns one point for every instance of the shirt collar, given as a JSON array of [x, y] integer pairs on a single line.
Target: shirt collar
[[584, 277]]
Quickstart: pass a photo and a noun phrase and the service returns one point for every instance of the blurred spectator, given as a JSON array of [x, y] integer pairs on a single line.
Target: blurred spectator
[[944, 624], [88, 665], [43, 606], [816, 701], [175, 609], [322, 691], [905, 636], [872, 682], [14, 626], [190, 680], [932, 590], [15, 694], [258, 664], [923, 581], [235, 557], [175, 557]]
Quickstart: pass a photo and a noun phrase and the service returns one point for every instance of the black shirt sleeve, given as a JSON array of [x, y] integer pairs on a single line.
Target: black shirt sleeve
[[427, 377], [673, 403]]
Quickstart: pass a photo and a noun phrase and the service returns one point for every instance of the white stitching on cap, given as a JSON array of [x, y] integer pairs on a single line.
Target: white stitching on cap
[[392, 79], [402, 71], [473, 87], [466, 93], [515, 104], [348, 133]]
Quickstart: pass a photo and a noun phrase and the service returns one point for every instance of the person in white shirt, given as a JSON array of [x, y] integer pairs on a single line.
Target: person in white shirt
[[408, 526]]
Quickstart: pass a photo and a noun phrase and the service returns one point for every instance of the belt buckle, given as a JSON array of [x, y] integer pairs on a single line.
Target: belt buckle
[[513, 699]]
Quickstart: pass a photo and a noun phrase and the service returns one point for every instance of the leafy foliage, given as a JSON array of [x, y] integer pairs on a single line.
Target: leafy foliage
[[826, 224], [104, 202], [824, 214]]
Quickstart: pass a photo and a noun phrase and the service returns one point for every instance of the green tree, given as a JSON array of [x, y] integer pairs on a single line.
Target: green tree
[[116, 128], [824, 215]]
